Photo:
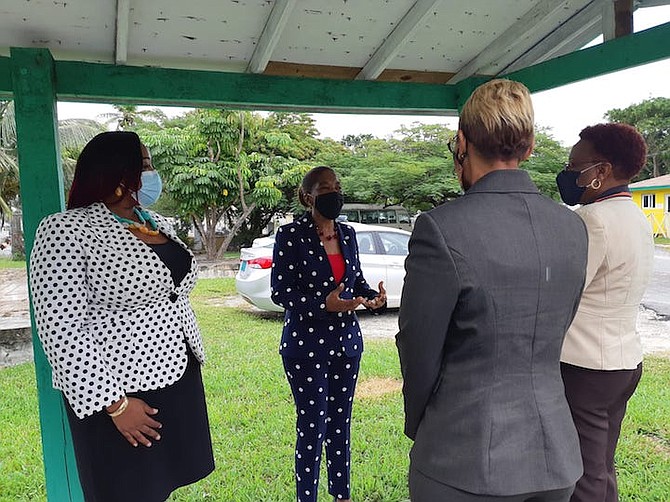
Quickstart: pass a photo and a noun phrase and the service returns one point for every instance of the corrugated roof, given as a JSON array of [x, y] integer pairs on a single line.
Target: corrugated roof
[[659, 181]]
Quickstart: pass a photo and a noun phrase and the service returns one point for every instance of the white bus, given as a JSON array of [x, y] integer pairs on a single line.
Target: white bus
[[377, 214]]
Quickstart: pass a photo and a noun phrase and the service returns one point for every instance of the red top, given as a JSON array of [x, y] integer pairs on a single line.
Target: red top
[[337, 265]]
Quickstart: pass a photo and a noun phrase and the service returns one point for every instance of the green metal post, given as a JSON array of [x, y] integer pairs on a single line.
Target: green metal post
[[41, 179]]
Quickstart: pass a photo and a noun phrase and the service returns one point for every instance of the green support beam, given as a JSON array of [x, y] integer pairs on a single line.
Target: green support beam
[[6, 87], [42, 193], [640, 48], [109, 83]]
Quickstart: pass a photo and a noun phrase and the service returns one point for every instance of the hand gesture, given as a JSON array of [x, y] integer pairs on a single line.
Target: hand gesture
[[136, 423], [379, 300], [336, 304]]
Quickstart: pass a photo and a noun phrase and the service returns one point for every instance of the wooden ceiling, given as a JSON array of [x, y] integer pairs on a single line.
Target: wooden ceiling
[[432, 41]]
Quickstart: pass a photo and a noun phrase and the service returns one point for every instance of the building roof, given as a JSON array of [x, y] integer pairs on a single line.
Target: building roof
[[658, 182]]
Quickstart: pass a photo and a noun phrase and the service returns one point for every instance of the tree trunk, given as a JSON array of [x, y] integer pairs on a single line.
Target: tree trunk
[[16, 233], [200, 231], [212, 218], [236, 226]]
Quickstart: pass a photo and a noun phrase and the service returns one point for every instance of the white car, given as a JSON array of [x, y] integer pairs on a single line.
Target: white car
[[382, 251]]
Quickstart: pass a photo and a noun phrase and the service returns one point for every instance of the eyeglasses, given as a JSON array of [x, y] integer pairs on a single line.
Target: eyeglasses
[[570, 166], [451, 144]]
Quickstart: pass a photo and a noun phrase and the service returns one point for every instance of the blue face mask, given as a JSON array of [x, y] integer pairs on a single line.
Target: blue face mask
[[152, 185]]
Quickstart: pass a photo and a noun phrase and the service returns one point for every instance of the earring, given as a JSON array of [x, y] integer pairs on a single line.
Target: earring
[[595, 186], [118, 192]]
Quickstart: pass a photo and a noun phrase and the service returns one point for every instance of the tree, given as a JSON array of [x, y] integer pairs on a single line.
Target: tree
[[414, 168], [9, 167], [547, 159], [220, 165], [301, 129], [129, 117], [73, 135], [652, 118]]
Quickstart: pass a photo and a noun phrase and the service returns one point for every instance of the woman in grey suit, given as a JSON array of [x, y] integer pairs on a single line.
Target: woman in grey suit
[[602, 354], [493, 282]]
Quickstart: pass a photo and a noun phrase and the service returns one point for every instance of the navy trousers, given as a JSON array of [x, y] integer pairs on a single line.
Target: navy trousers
[[323, 391]]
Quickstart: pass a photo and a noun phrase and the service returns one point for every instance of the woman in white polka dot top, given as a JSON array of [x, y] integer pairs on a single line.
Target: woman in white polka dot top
[[317, 278], [110, 283]]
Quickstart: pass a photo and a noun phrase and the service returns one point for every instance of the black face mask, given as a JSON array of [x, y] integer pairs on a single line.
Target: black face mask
[[329, 204], [571, 193]]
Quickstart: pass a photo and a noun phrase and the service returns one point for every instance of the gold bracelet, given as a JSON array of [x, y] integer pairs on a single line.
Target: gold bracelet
[[122, 407]]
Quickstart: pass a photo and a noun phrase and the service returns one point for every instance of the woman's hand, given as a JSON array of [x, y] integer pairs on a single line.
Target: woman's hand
[[136, 424], [336, 304], [379, 300]]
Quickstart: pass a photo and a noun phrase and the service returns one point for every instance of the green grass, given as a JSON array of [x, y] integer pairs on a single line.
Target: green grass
[[252, 420], [662, 240], [9, 263]]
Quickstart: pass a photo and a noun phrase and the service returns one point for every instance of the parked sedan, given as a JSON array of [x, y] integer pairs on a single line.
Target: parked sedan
[[382, 251]]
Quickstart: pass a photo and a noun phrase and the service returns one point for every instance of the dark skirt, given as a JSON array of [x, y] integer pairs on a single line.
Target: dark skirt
[[110, 469]]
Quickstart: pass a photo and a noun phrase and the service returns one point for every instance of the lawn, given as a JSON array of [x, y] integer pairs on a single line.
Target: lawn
[[252, 417], [9, 263]]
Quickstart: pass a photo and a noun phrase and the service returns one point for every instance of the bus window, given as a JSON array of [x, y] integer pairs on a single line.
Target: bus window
[[369, 217], [403, 216], [387, 216], [352, 215]]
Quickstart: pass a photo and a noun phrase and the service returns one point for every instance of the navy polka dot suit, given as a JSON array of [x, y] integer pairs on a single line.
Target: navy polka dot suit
[[321, 350]]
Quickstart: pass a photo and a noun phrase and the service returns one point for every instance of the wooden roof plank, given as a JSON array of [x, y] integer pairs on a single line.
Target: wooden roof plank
[[122, 29], [579, 30], [396, 39], [513, 40], [281, 11]]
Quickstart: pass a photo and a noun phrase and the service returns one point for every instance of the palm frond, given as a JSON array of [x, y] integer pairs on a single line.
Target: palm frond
[[8, 163], [7, 125], [75, 133]]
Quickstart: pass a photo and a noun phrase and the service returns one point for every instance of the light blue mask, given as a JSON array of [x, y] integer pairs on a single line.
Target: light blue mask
[[152, 185]]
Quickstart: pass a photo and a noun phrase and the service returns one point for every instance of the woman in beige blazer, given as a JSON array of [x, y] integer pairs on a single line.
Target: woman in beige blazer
[[602, 354]]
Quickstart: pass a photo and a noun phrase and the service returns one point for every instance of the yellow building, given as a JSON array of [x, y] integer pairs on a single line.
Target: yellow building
[[653, 196]]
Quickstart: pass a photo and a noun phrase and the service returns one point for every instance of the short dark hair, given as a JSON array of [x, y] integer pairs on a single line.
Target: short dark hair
[[108, 160], [621, 144], [310, 179]]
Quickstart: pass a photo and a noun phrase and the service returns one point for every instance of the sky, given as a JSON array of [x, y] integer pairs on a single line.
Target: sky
[[565, 110]]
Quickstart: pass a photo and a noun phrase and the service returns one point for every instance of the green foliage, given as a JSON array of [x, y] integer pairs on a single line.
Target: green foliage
[[73, 135], [547, 159], [130, 117], [9, 166], [301, 130], [221, 165], [414, 169], [651, 118]]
